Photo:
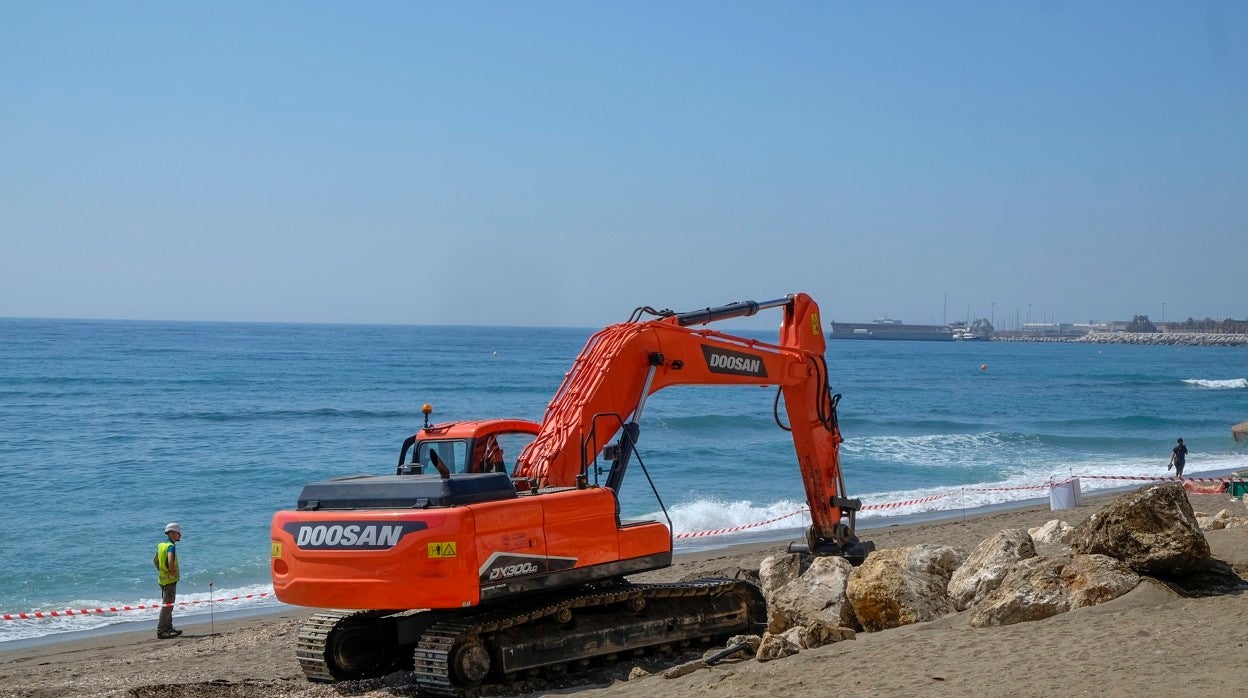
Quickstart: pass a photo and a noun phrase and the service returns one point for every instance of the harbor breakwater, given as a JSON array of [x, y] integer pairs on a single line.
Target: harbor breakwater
[[1187, 339]]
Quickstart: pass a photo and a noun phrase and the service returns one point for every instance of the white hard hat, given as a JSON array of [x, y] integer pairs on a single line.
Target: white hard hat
[[174, 527]]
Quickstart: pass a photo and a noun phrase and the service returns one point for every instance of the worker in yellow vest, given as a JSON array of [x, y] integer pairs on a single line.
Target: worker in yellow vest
[[166, 561]]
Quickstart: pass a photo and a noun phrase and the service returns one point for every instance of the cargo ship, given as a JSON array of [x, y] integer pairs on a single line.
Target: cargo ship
[[887, 328]]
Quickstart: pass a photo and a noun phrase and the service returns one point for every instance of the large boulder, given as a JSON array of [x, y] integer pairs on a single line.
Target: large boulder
[[899, 586], [1055, 531], [1152, 529], [816, 594], [987, 565], [1040, 587], [777, 571]]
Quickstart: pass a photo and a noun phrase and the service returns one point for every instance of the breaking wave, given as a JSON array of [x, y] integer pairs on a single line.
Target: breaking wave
[[1228, 384]]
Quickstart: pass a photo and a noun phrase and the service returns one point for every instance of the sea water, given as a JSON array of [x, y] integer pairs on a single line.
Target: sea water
[[109, 429]]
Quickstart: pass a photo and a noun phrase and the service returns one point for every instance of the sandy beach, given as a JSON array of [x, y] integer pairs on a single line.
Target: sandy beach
[[1151, 640]]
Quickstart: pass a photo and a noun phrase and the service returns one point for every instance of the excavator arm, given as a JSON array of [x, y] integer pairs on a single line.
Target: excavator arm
[[604, 395]]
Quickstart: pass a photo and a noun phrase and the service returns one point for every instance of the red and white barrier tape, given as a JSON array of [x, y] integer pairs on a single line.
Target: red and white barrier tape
[[1147, 478], [37, 615], [721, 531], [1164, 478], [1045, 486], [894, 505]]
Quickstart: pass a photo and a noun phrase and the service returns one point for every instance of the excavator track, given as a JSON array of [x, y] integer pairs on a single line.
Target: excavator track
[[338, 645], [459, 654]]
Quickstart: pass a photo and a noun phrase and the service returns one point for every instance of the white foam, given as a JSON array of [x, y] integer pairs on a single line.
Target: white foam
[[713, 514], [1228, 384]]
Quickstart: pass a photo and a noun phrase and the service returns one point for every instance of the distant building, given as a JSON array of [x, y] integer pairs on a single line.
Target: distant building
[[1054, 329], [1041, 328], [887, 328]]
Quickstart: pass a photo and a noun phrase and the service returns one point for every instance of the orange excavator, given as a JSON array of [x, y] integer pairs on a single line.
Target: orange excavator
[[471, 576]]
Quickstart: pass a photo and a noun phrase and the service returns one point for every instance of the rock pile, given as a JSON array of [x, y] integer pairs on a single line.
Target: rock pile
[[1150, 532], [1222, 519]]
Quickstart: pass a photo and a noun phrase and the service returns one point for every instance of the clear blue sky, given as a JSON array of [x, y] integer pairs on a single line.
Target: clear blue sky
[[559, 164]]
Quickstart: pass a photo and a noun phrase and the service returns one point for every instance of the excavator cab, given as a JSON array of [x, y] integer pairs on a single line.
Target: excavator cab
[[479, 446]]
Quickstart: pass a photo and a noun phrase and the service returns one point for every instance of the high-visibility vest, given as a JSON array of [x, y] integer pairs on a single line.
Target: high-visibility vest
[[162, 562]]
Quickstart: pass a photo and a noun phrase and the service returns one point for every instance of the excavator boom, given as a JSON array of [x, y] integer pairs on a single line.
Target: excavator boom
[[623, 364]]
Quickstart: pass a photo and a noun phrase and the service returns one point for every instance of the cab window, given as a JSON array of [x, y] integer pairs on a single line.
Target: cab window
[[512, 443], [453, 453], [497, 452]]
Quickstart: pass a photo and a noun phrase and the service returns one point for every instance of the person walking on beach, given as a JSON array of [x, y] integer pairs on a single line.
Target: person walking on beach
[[166, 561], [1178, 458]]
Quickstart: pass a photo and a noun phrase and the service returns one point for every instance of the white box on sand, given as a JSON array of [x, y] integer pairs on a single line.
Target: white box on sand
[[1064, 495]]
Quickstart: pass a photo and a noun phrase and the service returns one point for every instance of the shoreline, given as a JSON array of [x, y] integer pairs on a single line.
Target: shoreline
[[254, 654], [779, 538]]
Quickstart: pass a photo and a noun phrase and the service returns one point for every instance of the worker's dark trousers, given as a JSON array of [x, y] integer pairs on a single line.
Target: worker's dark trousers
[[167, 594]]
